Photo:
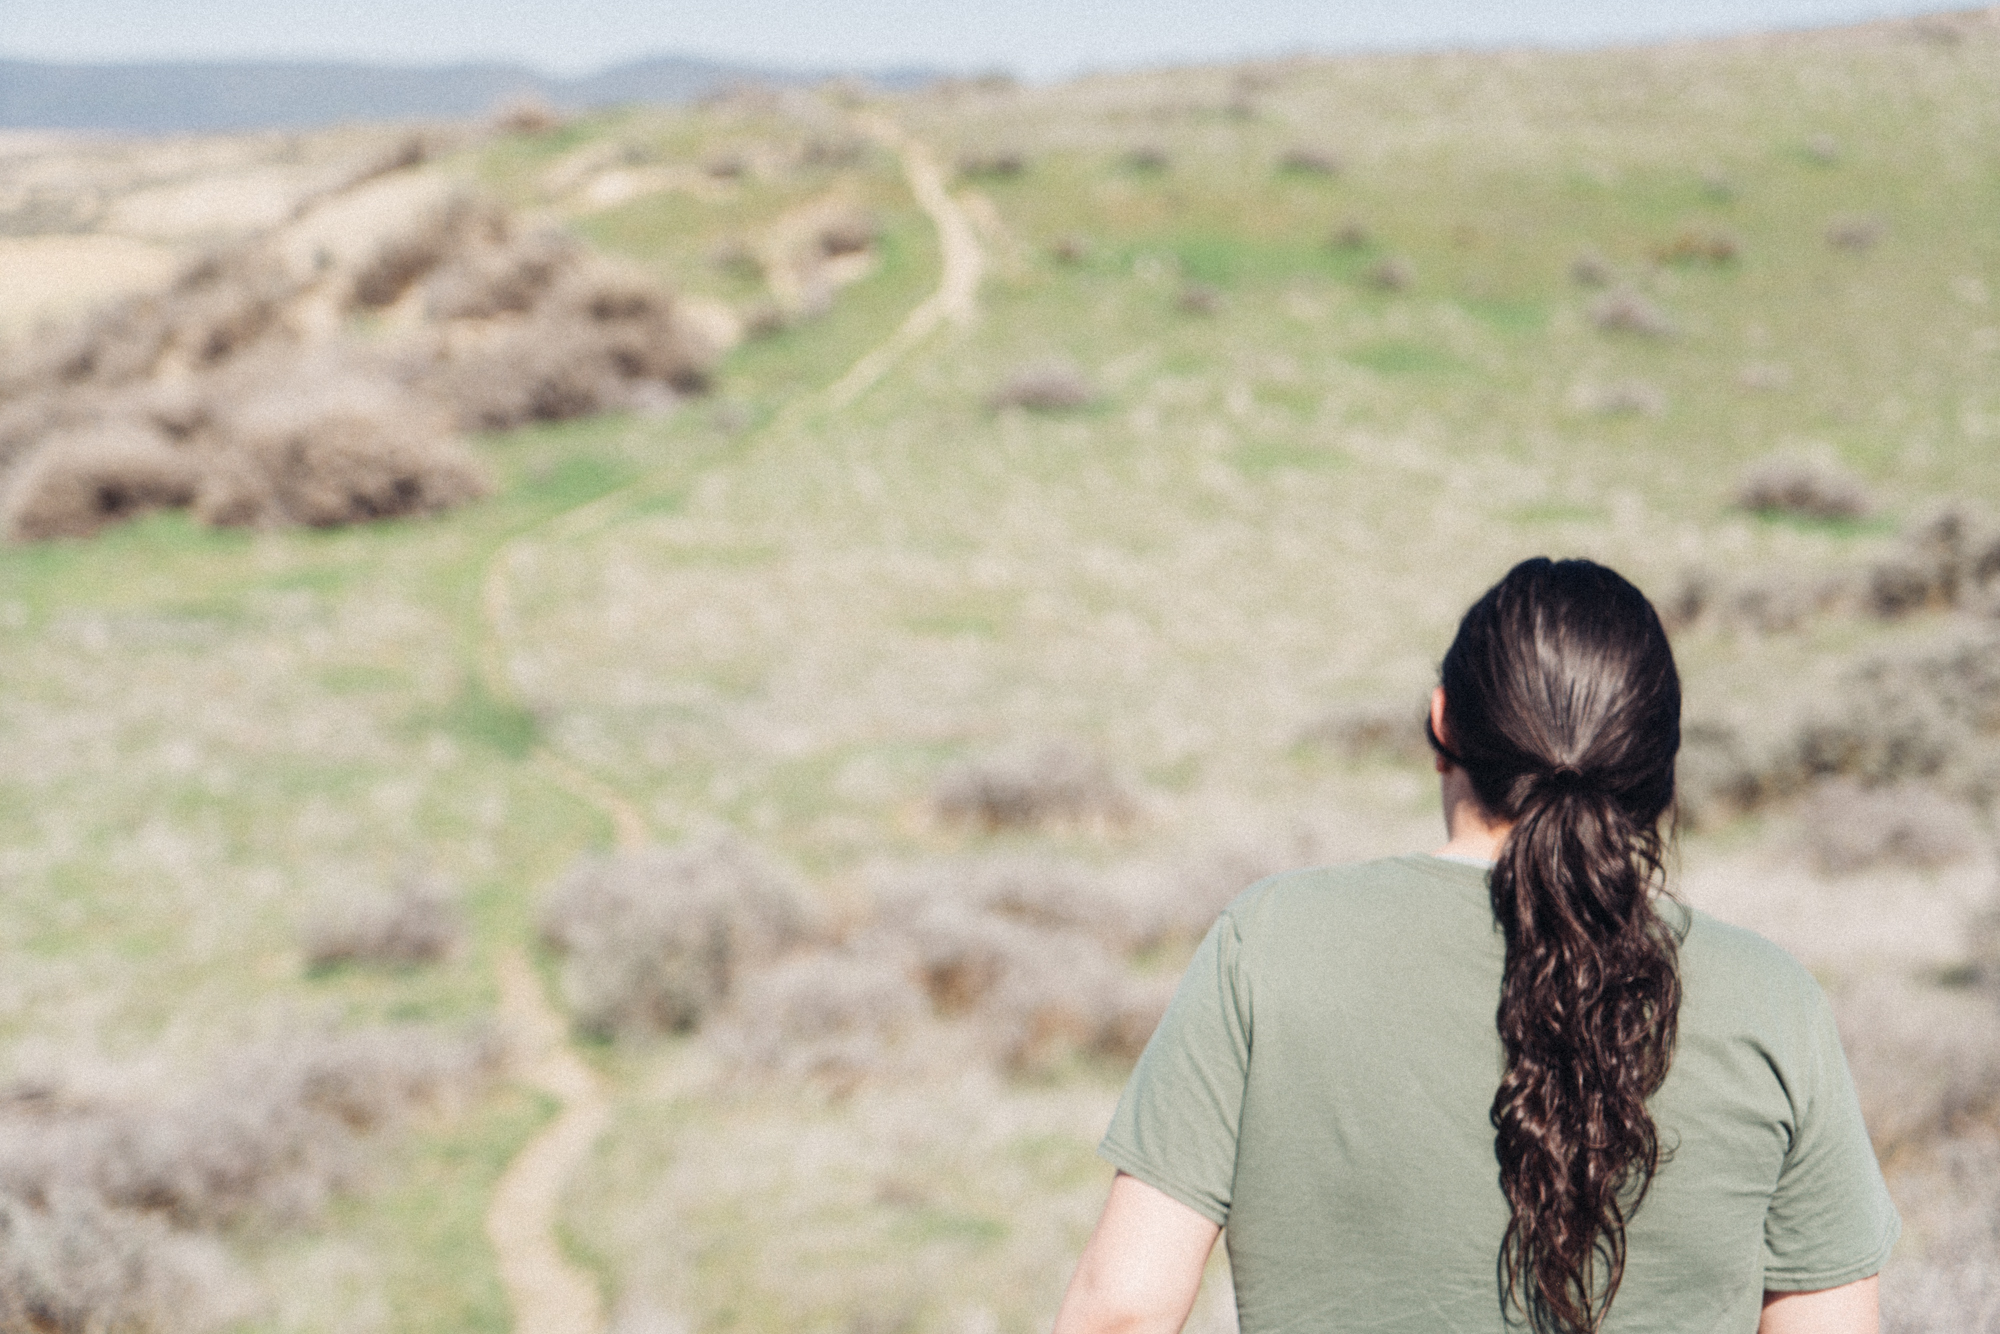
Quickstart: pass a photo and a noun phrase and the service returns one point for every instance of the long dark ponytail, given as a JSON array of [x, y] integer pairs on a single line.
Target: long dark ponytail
[[1562, 705]]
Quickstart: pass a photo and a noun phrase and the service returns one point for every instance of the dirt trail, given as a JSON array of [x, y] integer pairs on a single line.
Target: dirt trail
[[548, 1293], [957, 296]]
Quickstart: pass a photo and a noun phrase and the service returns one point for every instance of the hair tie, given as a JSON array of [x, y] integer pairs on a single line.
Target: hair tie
[[1564, 778]]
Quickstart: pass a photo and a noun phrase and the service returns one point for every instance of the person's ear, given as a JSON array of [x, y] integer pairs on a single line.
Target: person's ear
[[1438, 729]]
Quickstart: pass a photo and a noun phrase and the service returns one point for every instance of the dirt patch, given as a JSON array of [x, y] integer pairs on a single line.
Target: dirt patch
[[549, 1294], [59, 277]]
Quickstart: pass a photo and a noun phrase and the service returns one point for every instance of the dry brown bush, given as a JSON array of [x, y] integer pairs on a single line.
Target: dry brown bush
[[1926, 1061], [1622, 398], [1625, 311], [408, 255], [272, 1135], [1945, 1277], [1199, 299], [1908, 714], [822, 151], [836, 1017], [1846, 827], [26, 421], [73, 1266], [1804, 485], [480, 283], [1032, 889], [526, 116], [1389, 728], [1950, 557], [1931, 712], [322, 445], [1757, 601], [1064, 997], [1393, 273], [1351, 235], [270, 426], [418, 923], [410, 150], [1700, 245], [76, 484], [765, 319], [1035, 997], [1051, 784], [599, 336], [225, 305], [219, 306], [847, 231], [1054, 385], [996, 164], [1856, 235], [656, 939], [1303, 161], [1070, 248], [1590, 269]]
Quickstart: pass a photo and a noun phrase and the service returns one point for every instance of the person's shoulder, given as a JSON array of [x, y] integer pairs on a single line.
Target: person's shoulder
[[1351, 888], [1737, 968]]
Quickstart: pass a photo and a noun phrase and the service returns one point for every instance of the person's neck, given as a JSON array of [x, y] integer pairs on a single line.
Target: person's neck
[[1469, 830]]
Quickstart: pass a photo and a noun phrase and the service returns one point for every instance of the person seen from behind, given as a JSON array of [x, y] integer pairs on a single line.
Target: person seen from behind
[[1512, 1084]]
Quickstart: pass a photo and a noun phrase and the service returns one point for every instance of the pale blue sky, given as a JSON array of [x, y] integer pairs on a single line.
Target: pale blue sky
[[1039, 38]]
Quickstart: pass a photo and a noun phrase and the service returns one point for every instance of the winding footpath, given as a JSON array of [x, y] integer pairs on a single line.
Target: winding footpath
[[548, 1292], [957, 296]]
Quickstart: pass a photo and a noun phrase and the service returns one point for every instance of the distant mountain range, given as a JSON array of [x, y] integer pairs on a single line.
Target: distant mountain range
[[180, 96]]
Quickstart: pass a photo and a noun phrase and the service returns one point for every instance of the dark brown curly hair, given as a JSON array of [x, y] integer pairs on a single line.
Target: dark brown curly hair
[[1562, 705]]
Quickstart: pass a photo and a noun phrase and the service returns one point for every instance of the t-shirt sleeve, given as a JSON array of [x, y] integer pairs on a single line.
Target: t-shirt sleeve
[[1175, 1127], [1830, 1221]]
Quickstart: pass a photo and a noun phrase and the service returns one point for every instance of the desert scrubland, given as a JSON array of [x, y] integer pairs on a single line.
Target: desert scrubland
[[845, 587]]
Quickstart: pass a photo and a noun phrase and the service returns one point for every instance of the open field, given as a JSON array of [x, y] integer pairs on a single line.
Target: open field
[[953, 695]]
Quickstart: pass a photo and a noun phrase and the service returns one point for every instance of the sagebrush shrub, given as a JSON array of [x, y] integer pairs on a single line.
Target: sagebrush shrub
[[1307, 161], [997, 163], [1856, 235], [486, 282], [404, 257], [418, 923], [1392, 729], [1810, 487], [1622, 398], [1392, 273], [1053, 385], [271, 1135], [1625, 311], [835, 1016], [77, 483], [1591, 269], [1846, 827], [1926, 1061], [70, 1265], [1053, 784], [321, 444], [1951, 1283], [656, 939]]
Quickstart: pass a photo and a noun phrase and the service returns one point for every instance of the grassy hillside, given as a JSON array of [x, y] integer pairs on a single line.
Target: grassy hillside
[[1356, 335]]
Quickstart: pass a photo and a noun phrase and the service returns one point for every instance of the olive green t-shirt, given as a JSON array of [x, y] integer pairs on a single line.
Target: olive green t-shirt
[[1321, 1085]]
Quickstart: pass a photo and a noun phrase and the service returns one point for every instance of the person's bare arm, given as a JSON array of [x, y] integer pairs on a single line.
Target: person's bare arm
[[1849, 1309], [1142, 1268]]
